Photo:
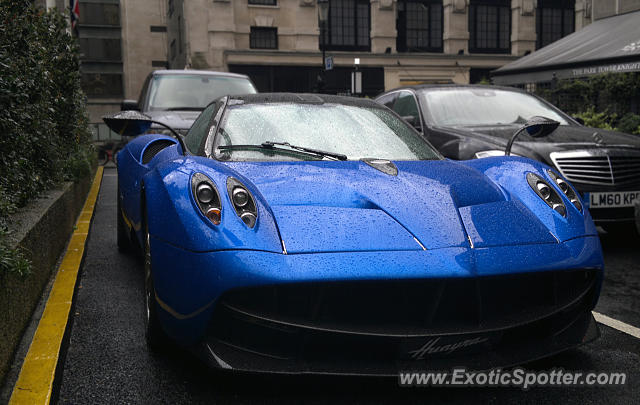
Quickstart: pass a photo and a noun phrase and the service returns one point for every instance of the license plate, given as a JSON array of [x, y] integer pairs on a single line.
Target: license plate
[[613, 200]]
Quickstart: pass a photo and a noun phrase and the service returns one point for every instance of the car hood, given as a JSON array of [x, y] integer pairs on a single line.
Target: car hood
[[564, 135], [350, 206], [179, 120]]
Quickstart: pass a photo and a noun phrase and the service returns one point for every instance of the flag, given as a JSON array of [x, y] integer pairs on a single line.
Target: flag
[[75, 14]]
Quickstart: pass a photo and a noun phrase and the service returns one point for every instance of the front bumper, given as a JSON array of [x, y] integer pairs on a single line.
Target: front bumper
[[198, 308]]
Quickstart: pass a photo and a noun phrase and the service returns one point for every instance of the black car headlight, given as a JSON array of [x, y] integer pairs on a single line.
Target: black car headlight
[[207, 197], [566, 189], [548, 193], [243, 202]]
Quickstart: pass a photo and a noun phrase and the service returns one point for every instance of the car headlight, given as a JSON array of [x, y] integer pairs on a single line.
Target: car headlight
[[566, 189], [491, 153], [207, 197], [243, 202], [547, 193]]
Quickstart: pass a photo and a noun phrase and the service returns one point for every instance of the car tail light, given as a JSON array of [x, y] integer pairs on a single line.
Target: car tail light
[[566, 189], [547, 193], [243, 202], [207, 197]]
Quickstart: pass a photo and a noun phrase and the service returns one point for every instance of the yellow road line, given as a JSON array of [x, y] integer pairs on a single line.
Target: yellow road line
[[35, 382]]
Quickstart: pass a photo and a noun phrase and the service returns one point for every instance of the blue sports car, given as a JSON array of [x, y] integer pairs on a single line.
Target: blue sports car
[[321, 234]]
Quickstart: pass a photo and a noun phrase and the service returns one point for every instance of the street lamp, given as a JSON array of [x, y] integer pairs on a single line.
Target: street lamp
[[323, 15]]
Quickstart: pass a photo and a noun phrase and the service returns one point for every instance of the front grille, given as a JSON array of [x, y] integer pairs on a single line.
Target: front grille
[[606, 167], [414, 307], [364, 326]]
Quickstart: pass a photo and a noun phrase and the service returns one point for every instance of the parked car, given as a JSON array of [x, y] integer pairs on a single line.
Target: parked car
[[469, 121], [304, 233], [176, 97]]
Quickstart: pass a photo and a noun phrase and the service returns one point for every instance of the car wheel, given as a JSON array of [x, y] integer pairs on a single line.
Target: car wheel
[[157, 340], [124, 242]]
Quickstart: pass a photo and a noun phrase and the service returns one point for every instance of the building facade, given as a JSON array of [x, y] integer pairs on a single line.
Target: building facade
[[279, 43], [121, 42], [610, 44]]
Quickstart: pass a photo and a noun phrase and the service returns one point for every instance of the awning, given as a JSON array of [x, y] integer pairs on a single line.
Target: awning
[[608, 45]]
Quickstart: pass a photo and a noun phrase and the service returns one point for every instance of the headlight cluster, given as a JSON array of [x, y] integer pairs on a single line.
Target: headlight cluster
[[207, 197], [208, 200], [566, 189], [548, 193], [242, 201]]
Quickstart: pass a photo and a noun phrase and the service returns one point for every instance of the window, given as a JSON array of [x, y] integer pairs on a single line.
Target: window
[[264, 2], [99, 14], [490, 26], [388, 99], [102, 85], [200, 128], [158, 28], [100, 49], [348, 26], [554, 20], [263, 38], [159, 63], [419, 25], [406, 105]]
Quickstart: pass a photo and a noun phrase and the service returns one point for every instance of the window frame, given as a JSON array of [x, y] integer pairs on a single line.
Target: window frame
[[402, 28], [564, 6], [325, 43], [268, 3], [473, 25], [254, 30]]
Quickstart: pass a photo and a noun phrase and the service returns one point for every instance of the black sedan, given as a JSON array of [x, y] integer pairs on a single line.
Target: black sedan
[[469, 121]]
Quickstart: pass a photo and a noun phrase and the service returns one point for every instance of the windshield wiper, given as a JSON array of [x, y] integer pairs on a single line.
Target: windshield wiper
[[339, 156], [274, 146]]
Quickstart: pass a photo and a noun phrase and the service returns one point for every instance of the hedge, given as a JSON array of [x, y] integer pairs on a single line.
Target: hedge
[[609, 101], [44, 137]]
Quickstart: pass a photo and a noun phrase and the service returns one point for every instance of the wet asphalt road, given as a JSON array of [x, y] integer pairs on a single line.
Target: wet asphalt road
[[107, 361]]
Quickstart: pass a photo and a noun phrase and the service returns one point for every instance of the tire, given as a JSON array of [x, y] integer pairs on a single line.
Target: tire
[[123, 239], [156, 338]]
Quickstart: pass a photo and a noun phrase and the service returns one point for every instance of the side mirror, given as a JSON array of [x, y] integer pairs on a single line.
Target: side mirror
[[128, 123], [127, 105], [132, 123], [413, 121], [536, 127]]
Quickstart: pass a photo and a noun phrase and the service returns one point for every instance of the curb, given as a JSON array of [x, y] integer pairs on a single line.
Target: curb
[[35, 383]]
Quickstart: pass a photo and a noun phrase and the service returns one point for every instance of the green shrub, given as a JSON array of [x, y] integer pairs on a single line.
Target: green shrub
[[595, 119], [614, 95], [629, 123], [44, 137]]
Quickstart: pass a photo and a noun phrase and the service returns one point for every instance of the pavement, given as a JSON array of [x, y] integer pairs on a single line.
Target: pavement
[[107, 361]]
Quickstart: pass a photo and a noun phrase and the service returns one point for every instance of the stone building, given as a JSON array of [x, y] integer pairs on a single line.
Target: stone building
[[121, 42], [279, 43], [611, 44]]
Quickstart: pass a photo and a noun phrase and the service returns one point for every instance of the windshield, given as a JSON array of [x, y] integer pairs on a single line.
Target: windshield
[[479, 106], [357, 132], [193, 91]]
